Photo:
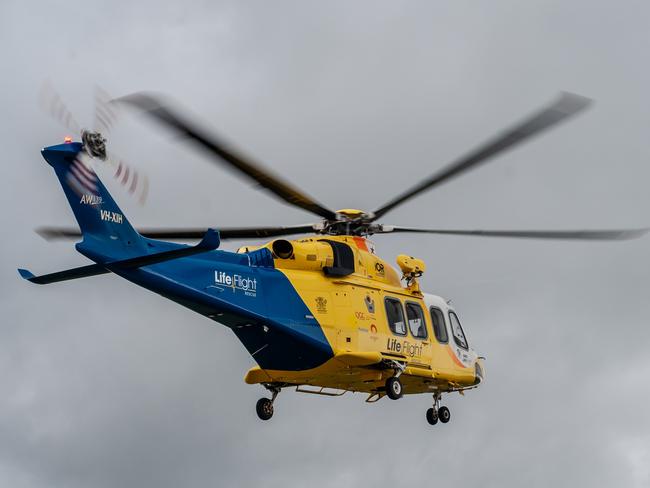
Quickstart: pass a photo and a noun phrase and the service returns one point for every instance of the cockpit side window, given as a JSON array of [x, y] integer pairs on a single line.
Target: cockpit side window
[[457, 331], [395, 316], [439, 328], [415, 319]]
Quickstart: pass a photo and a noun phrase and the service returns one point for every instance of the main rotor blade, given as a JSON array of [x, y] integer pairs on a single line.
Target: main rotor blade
[[60, 233], [151, 105], [565, 106], [582, 235]]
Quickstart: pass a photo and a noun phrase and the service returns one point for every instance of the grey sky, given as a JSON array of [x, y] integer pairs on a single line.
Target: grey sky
[[104, 384]]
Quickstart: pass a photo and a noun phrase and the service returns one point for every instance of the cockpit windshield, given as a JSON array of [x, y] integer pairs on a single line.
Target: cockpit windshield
[[457, 331]]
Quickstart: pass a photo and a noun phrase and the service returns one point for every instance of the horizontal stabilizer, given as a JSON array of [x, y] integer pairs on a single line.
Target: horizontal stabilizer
[[210, 242], [68, 274]]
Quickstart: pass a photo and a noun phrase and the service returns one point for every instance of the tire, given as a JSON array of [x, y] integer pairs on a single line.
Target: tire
[[394, 389], [264, 408], [432, 418], [444, 414]]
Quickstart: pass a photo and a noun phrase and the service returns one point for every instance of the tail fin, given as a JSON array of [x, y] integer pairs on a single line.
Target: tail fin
[[105, 230]]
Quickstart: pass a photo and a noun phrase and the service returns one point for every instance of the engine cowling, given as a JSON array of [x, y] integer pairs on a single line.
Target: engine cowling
[[308, 254], [333, 257]]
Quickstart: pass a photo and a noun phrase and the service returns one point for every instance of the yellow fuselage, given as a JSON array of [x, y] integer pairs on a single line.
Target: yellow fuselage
[[352, 314]]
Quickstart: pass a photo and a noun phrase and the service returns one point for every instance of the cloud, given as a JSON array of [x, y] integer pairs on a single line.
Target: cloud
[[105, 384]]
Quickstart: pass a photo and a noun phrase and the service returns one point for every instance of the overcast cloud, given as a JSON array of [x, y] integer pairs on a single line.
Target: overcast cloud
[[104, 384]]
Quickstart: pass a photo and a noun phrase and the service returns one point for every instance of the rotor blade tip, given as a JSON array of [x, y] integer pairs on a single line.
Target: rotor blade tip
[[634, 234], [44, 233], [146, 101], [53, 233], [572, 102]]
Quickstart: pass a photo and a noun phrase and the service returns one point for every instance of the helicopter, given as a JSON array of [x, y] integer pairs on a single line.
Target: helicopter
[[322, 313]]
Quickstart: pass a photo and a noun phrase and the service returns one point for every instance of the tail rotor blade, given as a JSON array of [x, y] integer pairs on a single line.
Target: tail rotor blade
[[52, 104], [134, 181], [106, 113]]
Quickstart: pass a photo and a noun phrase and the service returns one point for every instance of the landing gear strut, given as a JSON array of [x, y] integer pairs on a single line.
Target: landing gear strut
[[264, 406], [437, 412], [394, 389]]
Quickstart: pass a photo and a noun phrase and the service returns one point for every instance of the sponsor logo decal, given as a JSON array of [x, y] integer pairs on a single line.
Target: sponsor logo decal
[[109, 216], [463, 356], [373, 332], [237, 282], [363, 316], [87, 199], [404, 347], [321, 304]]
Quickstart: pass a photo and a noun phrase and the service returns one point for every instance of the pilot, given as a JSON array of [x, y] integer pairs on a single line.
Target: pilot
[[421, 331], [417, 327]]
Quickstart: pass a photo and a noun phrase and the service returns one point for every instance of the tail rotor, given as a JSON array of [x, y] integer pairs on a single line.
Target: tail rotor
[[135, 182]]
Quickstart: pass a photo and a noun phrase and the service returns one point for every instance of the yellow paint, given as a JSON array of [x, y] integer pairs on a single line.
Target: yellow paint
[[351, 213], [410, 266], [352, 315]]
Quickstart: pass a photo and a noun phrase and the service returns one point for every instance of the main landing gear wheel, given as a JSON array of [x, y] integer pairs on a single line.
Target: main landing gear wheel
[[437, 412], [264, 408], [444, 414], [394, 389], [432, 416]]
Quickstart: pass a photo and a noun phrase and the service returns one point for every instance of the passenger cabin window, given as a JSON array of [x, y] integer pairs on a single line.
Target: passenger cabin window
[[457, 330], [439, 329], [415, 318], [395, 316]]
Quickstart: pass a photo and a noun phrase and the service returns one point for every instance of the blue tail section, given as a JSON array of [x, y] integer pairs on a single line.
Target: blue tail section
[[242, 291], [106, 231]]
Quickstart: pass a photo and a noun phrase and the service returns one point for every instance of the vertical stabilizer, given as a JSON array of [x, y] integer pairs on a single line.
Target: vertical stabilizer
[[104, 227]]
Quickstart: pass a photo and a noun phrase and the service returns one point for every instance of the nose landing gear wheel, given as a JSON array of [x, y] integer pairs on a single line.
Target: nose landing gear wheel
[[264, 408], [444, 414], [432, 416], [394, 388]]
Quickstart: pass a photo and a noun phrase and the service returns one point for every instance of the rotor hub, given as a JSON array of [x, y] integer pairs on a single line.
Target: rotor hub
[[94, 144], [352, 214]]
